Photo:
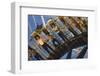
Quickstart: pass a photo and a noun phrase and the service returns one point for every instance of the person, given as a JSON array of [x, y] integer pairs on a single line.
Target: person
[[61, 22], [53, 40], [81, 24], [74, 25], [33, 55], [65, 20], [43, 43], [57, 30], [45, 31], [53, 33]]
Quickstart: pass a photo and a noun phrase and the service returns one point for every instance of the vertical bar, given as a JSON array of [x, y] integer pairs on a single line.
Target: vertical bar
[[30, 27], [34, 21], [43, 21]]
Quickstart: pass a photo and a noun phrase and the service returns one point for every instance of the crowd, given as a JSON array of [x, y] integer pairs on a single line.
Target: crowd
[[57, 31]]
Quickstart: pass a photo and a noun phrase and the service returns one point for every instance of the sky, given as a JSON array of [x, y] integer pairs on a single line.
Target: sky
[[35, 20]]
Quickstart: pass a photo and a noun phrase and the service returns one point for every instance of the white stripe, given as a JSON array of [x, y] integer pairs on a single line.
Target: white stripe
[[34, 21], [43, 21], [29, 27]]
